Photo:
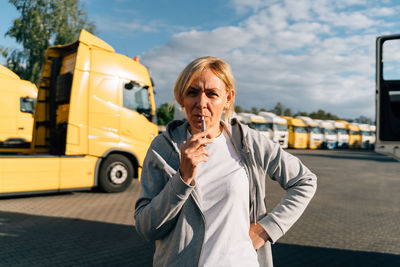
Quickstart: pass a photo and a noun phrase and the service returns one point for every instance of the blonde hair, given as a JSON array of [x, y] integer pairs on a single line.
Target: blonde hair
[[218, 66]]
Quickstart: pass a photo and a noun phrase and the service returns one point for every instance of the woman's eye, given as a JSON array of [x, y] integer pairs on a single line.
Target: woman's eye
[[191, 93]]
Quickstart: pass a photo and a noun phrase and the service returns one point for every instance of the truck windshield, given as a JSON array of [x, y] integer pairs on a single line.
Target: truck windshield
[[315, 130], [366, 133], [280, 127], [137, 99], [299, 129], [259, 126], [341, 130], [330, 131], [352, 132]]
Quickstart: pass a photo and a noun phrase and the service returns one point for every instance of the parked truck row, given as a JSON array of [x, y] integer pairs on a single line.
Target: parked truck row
[[304, 132]]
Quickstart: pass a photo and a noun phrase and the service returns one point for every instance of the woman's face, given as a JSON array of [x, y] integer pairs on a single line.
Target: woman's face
[[206, 97]]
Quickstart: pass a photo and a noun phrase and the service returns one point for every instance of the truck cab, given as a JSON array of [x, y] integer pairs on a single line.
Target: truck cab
[[354, 135], [373, 134], [256, 122], [315, 135], [17, 103], [329, 133], [366, 136], [297, 133], [93, 123], [342, 134], [280, 132]]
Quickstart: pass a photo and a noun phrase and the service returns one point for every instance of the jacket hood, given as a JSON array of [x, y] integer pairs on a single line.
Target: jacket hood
[[175, 133], [238, 132]]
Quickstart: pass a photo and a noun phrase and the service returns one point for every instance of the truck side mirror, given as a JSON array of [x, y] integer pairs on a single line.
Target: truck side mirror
[[27, 104], [131, 84]]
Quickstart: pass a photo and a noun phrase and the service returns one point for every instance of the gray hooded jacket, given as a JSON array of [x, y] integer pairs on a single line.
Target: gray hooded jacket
[[168, 210]]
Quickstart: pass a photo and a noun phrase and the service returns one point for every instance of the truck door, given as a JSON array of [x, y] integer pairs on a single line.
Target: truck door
[[137, 129], [388, 92], [104, 114], [388, 87]]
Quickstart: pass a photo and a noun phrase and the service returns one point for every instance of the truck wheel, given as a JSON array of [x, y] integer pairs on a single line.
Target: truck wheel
[[116, 173]]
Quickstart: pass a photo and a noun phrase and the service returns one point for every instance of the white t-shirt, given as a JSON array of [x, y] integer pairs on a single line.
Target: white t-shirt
[[224, 193]]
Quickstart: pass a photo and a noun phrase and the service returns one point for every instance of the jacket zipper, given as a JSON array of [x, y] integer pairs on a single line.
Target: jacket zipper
[[248, 162], [205, 228]]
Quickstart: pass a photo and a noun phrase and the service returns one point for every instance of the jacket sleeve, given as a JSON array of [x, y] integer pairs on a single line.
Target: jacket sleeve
[[298, 181], [163, 193]]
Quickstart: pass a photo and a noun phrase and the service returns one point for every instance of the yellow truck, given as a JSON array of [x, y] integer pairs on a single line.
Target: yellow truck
[[315, 136], [93, 123], [298, 136], [354, 134], [17, 100]]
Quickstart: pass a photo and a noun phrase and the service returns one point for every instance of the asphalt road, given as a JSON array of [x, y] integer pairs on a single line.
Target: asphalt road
[[353, 220]]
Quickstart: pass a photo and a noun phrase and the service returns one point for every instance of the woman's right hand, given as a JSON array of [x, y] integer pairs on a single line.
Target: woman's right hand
[[192, 153]]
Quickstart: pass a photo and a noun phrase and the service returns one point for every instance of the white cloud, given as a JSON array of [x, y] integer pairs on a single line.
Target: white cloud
[[242, 6], [304, 55], [382, 12], [353, 20]]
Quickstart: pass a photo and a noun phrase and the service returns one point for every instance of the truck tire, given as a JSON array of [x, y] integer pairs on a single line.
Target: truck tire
[[116, 174]]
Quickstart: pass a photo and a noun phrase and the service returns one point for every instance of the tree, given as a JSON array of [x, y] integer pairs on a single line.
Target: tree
[[238, 109], [165, 113], [254, 110], [287, 112], [42, 23], [278, 109], [322, 115], [301, 113]]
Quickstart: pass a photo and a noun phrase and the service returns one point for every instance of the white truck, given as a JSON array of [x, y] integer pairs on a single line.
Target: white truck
[[373, 133], [278, 127], [366, 136], [329, 132], [315, 135], [256, 122], [342, 134]]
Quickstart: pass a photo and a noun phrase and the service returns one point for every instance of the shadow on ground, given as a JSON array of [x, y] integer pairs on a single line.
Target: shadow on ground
[[28, 240], [51, 241], [353, 155], [286, 255]]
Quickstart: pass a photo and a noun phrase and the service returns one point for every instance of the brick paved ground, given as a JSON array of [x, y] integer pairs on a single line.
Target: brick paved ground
[[354, 220]]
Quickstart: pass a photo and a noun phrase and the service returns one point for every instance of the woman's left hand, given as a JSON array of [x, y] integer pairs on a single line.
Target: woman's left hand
[[258, 235]]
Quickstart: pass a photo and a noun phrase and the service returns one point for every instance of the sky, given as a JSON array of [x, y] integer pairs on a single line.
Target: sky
[[306, 54]]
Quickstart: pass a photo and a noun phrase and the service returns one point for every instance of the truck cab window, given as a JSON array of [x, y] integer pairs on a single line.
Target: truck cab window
[[136, 97]]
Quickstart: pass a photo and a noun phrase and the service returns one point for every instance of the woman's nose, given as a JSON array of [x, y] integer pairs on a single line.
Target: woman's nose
[[203, 100]]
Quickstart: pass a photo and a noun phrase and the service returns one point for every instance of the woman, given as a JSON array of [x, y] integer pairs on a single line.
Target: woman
[[203, 191]]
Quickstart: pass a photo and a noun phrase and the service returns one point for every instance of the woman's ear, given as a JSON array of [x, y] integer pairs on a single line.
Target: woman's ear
[[229, 99]]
